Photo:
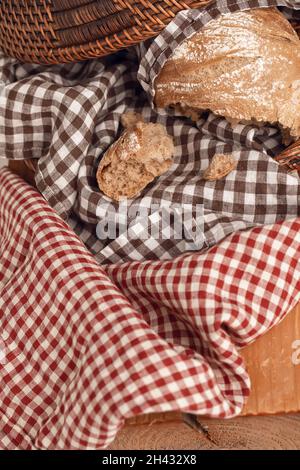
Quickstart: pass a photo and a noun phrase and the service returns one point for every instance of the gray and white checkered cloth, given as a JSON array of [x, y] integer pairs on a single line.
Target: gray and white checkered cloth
[[66, 116]]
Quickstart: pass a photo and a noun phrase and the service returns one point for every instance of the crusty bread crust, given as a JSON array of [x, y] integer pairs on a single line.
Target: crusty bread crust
[[143, 152], [244, 66]]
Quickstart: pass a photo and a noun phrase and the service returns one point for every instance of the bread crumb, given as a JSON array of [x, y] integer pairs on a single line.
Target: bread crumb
[[220, 166], [129, 120]]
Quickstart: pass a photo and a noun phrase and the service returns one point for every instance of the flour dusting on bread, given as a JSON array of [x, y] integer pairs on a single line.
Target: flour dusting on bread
[[244, 66]]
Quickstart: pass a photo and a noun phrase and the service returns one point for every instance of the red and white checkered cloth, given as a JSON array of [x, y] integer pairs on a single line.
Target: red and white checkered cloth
[[84, 347]]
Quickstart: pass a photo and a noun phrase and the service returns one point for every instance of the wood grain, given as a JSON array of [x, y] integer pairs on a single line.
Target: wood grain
[[275, 377], [254, 433]]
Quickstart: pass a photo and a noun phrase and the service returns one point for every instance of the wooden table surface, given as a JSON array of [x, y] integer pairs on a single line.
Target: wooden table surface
[[175, 431], [180, 431]]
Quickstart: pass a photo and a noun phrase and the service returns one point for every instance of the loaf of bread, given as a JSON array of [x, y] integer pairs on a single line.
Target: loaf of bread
[[143, 152], [244, 66]]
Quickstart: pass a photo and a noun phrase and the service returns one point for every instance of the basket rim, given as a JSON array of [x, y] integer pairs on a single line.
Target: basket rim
[[37, 32]]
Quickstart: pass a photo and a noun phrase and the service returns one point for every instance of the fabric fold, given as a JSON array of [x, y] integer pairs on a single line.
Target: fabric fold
[[86, 347], [66, 116]]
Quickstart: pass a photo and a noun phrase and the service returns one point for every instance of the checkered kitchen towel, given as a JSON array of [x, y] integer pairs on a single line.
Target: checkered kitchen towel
[[84, 347], [67, 116]]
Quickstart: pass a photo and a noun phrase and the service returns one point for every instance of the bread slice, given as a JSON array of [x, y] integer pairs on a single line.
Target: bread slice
[[244, 66], [143, 152]]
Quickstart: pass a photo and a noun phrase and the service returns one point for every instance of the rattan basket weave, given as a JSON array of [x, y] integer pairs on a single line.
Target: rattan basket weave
[[56, 31], [290, 158]]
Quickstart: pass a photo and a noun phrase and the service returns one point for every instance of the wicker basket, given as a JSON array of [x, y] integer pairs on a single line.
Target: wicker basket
[[290, 158], [56, 31]]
